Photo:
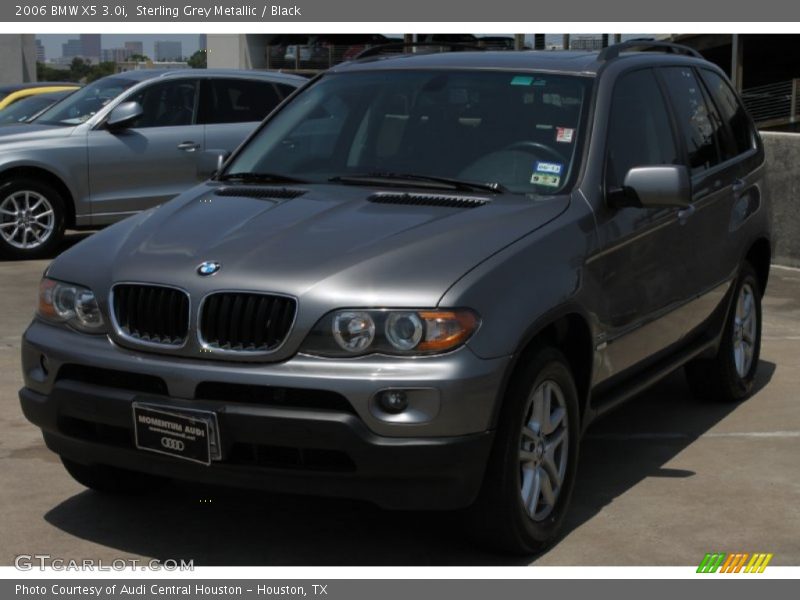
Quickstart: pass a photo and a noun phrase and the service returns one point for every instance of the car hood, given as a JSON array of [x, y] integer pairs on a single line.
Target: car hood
[[331, 243], [29, 132]]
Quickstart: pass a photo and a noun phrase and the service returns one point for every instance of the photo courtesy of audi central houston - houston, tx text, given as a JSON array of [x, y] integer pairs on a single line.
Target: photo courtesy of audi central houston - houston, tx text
[[399, 299]]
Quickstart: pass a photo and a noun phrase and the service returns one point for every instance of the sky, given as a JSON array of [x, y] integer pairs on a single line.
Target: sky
[[52, 42]]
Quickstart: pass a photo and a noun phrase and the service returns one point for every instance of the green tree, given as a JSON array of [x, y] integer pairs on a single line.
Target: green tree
[[79, 69], [139, 58], [101, 70], [47, 73], [198, 60]]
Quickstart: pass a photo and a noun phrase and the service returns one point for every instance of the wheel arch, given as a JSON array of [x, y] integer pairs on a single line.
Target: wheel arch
[[567, 330], [49, 177], [759, 254]]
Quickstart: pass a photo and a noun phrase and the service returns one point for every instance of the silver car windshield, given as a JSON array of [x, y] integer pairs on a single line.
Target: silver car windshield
[[84, 103], [518, 131]]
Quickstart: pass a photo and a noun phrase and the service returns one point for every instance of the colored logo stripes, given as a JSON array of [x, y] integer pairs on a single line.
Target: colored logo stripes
[[734, 563]]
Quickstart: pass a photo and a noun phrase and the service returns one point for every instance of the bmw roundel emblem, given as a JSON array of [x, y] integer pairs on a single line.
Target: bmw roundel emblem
[[208, 267]]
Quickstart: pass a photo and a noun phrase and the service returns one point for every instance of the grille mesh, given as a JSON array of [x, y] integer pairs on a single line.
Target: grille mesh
[[154, 314], [246, 322]]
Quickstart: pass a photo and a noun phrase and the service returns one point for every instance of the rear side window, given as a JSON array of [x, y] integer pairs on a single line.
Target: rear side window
[[731, 111], [240, 100], [701, 129], [284, 90], [639, 131]]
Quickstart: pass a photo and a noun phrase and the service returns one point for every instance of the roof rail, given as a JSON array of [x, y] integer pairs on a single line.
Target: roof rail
[[612, 52], [380, 48]]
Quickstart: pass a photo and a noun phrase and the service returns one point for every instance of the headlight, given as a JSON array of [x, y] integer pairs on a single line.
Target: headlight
[[72, 304], [407, 332]]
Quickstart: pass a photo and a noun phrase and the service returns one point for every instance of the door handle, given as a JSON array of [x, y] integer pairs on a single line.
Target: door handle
[[737, 186], [188, 146], [685, 213]]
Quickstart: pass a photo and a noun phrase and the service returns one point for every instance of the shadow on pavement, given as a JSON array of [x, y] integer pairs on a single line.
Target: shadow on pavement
[[217, 526]]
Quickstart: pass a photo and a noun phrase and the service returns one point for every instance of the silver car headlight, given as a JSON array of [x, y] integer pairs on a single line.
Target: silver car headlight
[[355, 332], [72, 304]]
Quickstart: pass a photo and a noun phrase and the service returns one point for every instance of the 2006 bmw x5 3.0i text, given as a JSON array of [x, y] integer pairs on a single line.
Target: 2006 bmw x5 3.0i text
[[417, 284]]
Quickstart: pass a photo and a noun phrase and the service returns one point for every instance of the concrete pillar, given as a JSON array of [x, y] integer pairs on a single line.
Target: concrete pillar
[[565, 41], [737, 55], [17, 58], [519, 41]]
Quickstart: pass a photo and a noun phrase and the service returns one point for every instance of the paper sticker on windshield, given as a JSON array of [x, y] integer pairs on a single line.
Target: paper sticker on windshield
[[552, 168], [545, 179], [521, 80], [564, 135]]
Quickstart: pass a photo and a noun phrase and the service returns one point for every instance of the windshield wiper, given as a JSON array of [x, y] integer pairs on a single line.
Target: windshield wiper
[[261, 177], [412, 180]]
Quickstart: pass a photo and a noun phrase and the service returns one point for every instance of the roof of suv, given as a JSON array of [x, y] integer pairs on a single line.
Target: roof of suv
[[561, 61], [143, 74]]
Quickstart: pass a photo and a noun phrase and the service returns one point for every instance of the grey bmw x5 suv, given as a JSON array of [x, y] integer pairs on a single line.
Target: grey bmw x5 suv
[[120, 145], [417, 283]]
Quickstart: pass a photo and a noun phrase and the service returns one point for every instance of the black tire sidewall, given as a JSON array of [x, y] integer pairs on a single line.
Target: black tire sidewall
[[11, 186], [524, 534], [740, 387]]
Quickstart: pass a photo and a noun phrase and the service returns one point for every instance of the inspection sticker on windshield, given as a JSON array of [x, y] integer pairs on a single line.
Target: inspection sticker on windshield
[[548, 167], [547, 173], [545, 179], [564, 135]]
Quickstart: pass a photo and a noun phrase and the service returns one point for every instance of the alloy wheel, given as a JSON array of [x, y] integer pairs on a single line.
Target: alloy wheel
[[544, 443], [745, 329], [27, 219]]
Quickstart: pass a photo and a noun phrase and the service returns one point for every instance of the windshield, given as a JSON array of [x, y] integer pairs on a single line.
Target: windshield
[[24, 109], [84, 103], [519, 131]]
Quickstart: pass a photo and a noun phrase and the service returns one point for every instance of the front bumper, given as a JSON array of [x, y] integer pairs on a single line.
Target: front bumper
[[303, 447]]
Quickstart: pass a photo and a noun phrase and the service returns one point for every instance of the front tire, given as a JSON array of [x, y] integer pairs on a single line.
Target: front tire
[[32, 219], [729, 376], [112, 480], [531, 471]]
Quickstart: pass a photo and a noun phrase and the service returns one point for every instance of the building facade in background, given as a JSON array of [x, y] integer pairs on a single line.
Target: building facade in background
[[41, 56], [90, 46], [134, 48], [168, 51]]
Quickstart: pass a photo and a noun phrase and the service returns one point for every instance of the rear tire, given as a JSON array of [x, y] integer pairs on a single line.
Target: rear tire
[[531, 474], [729, 376], [32, 219], [112, 480]]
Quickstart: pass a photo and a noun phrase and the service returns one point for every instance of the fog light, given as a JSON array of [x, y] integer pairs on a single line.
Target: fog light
[[394, 401]]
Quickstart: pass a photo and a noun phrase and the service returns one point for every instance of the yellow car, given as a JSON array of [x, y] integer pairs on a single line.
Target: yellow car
[[32, 90]]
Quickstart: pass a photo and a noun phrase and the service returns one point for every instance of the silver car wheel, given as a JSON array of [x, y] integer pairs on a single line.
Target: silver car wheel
[[544, 442], [745, 329], [27, 219]]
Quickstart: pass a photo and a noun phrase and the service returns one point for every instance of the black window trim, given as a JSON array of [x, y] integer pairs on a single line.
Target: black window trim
[[751, 126], [677, 139]]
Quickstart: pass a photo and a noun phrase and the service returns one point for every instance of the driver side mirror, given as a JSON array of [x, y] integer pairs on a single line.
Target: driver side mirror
[[123, 115], [661, 186]]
